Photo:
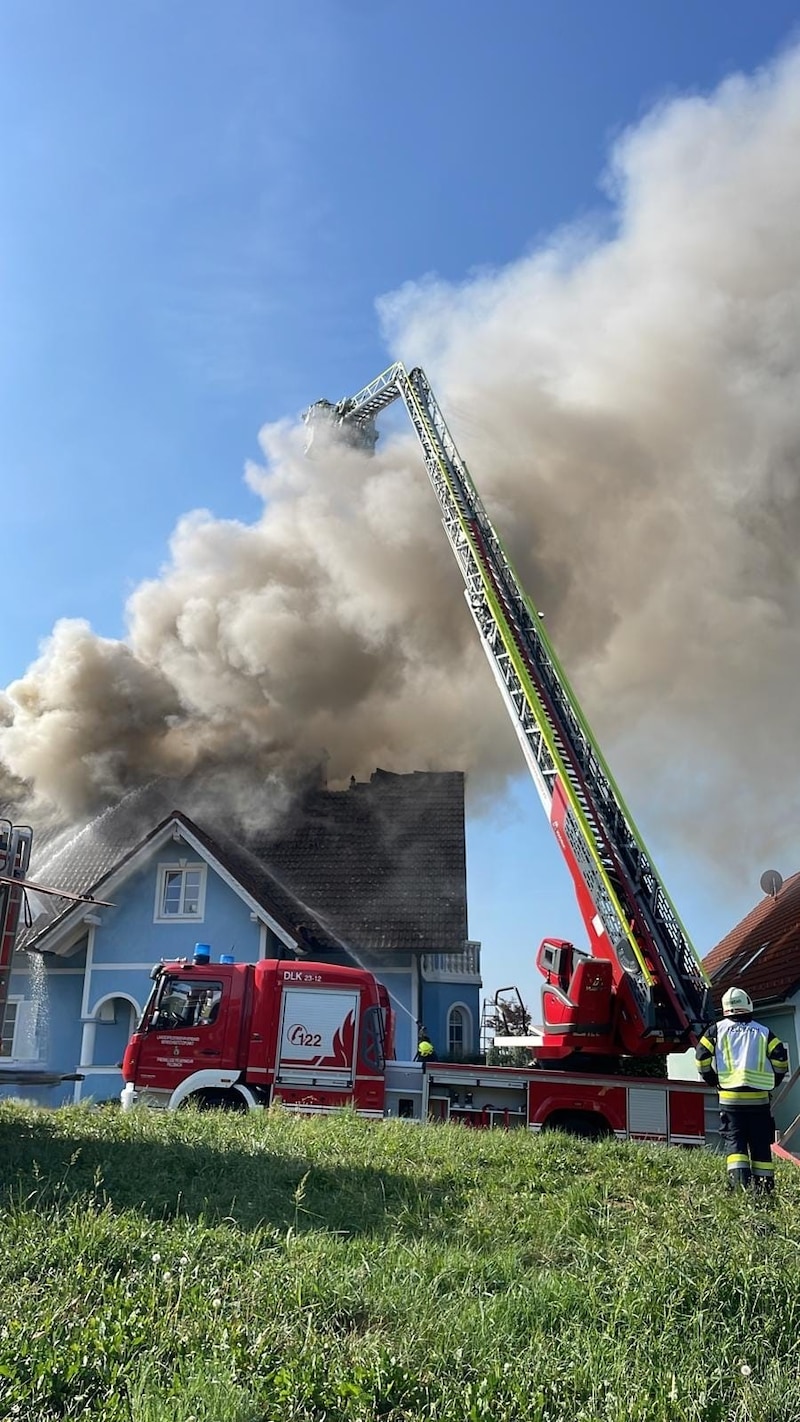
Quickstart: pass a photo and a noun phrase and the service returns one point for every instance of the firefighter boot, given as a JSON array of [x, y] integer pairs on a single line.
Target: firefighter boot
[[739, 1178], [763, 1184]]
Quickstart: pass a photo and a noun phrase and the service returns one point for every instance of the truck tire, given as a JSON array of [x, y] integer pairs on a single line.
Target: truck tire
[[588, 1125], [215, 1099]]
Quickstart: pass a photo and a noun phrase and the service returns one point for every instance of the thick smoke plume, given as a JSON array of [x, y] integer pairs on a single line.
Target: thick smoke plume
[[627, 398]]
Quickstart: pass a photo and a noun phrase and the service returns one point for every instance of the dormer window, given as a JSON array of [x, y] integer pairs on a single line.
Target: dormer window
[[180, 893]]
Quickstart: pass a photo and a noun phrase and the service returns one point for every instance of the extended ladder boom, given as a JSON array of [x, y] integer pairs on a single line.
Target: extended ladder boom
[[661, 988]]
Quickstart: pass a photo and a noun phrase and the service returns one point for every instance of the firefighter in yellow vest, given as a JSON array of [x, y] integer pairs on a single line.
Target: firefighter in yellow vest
[[744, 1060], [425, 1048]]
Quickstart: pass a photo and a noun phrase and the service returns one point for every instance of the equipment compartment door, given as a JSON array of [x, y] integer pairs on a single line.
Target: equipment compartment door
[[318, 1036], [647, 1112]]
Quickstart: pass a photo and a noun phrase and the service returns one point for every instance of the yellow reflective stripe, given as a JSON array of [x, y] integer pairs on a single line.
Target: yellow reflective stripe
[[762, 1054], [765, 1167], [739, 1097], [778, 1056], [734, 1161], [707, 1045]]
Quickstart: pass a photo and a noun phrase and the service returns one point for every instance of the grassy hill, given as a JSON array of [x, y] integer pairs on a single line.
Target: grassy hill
[[209, 1268]]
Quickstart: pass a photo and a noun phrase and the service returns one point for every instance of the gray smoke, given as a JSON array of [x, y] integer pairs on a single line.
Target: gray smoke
[[627, 398]]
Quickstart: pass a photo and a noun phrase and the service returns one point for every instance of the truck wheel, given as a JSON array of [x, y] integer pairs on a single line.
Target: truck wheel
[[589, 1125], [216, 1100]]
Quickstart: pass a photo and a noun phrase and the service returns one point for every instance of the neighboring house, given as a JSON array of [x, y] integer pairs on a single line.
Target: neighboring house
[[374, 875], [762, 955]]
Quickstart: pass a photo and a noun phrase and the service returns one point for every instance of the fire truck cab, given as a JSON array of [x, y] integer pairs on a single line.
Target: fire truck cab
[[241, 1035]]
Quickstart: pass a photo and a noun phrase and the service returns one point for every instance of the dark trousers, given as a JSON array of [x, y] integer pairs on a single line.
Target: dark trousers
[[748, 1133]]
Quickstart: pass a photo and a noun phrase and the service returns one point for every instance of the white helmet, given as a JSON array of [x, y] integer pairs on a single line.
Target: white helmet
[[736, 1003]]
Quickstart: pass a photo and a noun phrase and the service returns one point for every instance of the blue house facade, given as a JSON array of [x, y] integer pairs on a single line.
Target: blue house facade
[[373, 876]]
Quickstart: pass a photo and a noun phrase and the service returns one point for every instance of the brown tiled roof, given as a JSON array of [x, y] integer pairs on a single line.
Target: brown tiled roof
[[380, 866], [383, 864], [762, 953]]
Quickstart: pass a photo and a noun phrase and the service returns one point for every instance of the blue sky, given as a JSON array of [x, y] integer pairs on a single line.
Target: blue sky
[[201, 205]]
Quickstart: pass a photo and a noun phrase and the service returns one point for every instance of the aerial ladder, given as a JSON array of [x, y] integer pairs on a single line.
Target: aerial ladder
[[641, 989]]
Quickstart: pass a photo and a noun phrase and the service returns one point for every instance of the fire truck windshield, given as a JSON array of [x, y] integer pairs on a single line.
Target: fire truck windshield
[[184, 1002]]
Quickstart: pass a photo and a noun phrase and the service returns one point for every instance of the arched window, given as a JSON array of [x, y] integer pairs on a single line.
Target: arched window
[[459, 1032]]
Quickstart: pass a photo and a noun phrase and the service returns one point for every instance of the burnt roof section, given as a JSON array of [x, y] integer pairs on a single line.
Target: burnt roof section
[[762, 953], [383, 863], [380, 867]]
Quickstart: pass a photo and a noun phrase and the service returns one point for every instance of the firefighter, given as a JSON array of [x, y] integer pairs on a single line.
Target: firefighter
[[425, 1048], [744, 1060]]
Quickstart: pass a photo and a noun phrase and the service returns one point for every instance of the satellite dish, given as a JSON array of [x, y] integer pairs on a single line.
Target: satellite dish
[[771, 882]]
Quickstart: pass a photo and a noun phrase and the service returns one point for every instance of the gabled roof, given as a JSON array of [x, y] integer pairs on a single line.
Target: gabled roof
[[762, 953], [379, 867], [60, 923]]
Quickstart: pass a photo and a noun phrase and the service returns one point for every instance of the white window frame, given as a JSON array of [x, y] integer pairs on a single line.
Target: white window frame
[[466, 1014], [183, 866], [21, 1025], [10, 1002]]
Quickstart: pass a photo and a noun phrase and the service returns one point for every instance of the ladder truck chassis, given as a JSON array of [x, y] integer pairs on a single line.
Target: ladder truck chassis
[[316, 1038]]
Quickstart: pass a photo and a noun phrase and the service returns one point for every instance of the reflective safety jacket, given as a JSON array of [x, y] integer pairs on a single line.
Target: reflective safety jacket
[[743, 1059]]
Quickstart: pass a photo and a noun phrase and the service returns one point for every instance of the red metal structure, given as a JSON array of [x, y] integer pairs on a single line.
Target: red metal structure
[[317, 1037]]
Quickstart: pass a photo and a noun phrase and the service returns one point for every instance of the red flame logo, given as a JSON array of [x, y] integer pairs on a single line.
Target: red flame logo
[[343, 1040]]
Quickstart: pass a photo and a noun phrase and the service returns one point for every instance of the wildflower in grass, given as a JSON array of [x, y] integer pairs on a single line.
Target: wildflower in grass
[[156, 1258], [166, 1276], [745, 1370]]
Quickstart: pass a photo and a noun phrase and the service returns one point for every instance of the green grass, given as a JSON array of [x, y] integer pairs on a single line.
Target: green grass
[[243, 1269]]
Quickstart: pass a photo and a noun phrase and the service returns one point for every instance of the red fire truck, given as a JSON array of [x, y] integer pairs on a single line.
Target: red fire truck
[[242, 1035], [316, 1036]]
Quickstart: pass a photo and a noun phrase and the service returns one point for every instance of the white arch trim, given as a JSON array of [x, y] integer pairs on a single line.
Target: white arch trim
[[468, 1025], [87, 1064], [111, 997]]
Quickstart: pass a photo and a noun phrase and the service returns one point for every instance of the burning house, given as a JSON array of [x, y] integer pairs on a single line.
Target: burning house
[[373, 875]]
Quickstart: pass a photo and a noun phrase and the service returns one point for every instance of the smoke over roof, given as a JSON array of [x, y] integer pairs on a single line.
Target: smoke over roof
[[626, 396]]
